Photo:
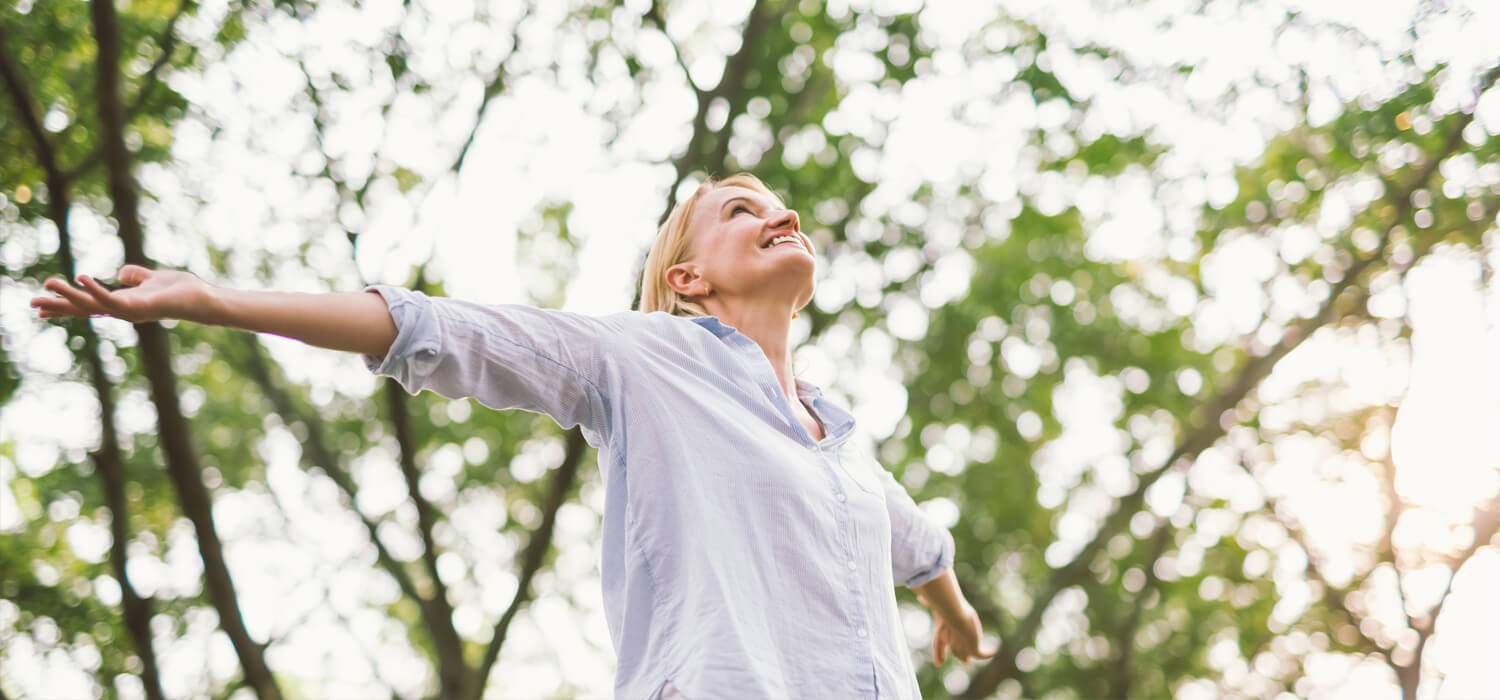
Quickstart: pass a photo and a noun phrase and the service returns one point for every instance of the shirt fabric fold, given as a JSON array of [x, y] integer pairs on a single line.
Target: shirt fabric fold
[[741, 557]]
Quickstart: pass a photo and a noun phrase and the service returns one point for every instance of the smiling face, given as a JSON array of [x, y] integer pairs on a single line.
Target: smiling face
[[744, 245]]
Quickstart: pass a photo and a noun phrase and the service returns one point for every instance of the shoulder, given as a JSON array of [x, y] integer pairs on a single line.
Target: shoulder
[[661, 341], [659, 326]]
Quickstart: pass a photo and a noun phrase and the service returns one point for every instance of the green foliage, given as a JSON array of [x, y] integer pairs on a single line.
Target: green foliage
[[988, 381]]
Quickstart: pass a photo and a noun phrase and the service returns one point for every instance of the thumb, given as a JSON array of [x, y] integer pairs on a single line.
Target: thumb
[[133, 275], [986, 653]]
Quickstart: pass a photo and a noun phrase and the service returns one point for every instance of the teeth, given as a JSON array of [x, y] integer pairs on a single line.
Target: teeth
[[781, 239]]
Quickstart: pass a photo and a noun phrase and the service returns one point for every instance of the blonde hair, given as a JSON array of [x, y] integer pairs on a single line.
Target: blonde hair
[[671, 247]]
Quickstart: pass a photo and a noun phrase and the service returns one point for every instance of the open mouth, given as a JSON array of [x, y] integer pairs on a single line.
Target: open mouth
[[784, 239]]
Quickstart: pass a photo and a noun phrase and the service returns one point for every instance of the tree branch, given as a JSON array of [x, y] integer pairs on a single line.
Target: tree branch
[[1209, 428], [1119, 675], [1408, 674], [1393, 516], [26, 106], [731, 87], [1333, 596], [156, 359], [449, 646], [437, 610], [731, 83], [492, 89], [653, 15], [368, 656], [315, 453], [109, 463], [168, 42], [536, 551], [738, 66], [1486, 524]]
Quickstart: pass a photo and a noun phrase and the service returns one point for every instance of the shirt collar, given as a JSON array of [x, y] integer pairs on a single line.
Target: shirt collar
[[713, 324], [837, 422]]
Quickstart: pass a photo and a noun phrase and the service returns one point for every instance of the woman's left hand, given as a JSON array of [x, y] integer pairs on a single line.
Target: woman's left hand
[[959, 633]]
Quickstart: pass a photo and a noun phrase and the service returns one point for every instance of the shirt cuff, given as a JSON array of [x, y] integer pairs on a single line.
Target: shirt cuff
[[943, 563], [414, 354]]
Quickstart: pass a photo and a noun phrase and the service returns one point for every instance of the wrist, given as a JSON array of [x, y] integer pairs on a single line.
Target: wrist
[[211, 307], [942, 596]]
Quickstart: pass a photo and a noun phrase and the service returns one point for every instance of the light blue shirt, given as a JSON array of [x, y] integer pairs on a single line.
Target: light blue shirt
[[741, 557]]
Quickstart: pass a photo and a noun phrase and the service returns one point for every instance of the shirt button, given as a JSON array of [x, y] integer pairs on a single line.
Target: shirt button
[[842, 498], [863, 633], [851, 565]]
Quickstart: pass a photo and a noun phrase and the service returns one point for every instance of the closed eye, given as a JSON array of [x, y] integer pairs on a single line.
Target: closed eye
[[737, 209]]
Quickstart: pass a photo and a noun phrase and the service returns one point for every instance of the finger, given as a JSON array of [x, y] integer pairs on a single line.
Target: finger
[[102, 295], [985, 654], [63, 307], [56, 285], [56, 307], [133, 275], [79, 298]]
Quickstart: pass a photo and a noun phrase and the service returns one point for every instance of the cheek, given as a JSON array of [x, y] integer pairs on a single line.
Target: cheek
[[719, 260]]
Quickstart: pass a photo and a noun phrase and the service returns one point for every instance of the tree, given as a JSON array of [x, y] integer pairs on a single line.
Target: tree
[[1083, 346]]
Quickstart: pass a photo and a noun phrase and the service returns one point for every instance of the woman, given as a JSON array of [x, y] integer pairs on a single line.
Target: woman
[[751, 547]]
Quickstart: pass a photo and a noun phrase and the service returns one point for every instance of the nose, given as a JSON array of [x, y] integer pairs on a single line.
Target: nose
[[786, 219]]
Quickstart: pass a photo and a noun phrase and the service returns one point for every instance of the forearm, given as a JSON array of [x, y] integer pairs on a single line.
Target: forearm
[[350, 321], [943, 597]]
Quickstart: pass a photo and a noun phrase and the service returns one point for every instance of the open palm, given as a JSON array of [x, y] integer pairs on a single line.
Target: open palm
[[146, 295]]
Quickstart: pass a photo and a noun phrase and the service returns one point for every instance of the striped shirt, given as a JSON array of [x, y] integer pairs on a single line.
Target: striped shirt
[[741, 557]]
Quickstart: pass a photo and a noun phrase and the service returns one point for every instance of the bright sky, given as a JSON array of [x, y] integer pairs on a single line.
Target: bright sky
[[291, 549]]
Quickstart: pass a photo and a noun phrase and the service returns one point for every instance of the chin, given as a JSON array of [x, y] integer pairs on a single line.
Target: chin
[[806, 296], [794, 274]]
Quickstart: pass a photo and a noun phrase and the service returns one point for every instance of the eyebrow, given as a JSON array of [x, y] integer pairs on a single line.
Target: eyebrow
[[739, 198]]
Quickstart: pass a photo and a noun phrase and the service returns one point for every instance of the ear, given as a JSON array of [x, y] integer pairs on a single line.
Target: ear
[[684, 279]]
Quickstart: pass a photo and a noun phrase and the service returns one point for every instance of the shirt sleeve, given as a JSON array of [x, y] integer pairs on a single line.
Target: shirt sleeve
[[920, 550], [505, 356]]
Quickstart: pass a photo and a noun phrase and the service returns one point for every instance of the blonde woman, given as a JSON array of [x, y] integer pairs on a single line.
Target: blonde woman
[[751, 542]]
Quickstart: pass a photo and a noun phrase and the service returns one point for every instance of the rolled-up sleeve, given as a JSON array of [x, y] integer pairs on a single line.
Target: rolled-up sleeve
[[920, 549], [506, 356]]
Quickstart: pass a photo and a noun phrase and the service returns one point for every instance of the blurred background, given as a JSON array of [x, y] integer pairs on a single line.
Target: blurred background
[[1182, 315]]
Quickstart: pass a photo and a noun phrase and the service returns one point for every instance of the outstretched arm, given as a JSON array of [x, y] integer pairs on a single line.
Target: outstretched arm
[[506, 355], [352, 322]]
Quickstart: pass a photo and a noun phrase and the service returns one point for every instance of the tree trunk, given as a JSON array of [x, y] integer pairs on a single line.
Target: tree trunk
[[156, 360]]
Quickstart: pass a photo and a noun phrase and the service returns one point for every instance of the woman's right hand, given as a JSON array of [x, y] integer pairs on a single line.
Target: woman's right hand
[[146, 295]]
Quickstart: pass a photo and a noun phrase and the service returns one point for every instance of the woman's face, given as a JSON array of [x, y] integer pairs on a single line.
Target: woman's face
[[744, 245]]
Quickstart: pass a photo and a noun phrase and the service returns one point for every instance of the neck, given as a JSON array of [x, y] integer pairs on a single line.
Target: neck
[[769, 325]]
